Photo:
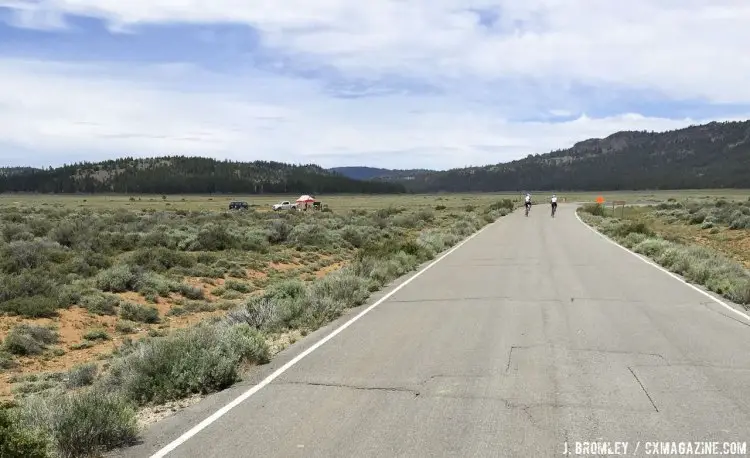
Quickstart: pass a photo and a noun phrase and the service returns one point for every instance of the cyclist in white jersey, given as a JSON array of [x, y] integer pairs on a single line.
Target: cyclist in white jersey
[[527, 203], [553, 201]]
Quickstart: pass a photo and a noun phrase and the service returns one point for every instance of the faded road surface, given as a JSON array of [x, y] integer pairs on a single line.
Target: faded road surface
[[535, 332]]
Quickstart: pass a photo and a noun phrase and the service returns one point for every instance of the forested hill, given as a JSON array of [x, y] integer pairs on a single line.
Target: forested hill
[[187, 175], [715, 155], [369, 173]]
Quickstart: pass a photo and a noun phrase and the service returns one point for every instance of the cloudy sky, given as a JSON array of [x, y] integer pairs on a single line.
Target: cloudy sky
[[394, 83]]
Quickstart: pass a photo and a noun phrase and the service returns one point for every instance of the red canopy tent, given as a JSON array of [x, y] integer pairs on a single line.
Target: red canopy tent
[[305, 199]]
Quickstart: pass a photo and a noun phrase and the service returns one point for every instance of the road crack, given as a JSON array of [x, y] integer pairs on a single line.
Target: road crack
[[396, 389], [643, 388]]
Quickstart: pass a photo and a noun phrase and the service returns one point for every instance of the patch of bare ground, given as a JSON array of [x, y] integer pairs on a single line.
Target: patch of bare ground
[[283, 266], [152, 414], [279, 342], [320, 273], [734, 243], [256, 274], [71, 325]]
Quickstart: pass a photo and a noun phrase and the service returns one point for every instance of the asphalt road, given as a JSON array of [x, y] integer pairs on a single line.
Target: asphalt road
[[535, 332]]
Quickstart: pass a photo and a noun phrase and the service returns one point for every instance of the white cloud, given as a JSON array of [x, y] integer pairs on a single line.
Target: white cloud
[[63, 111], [531, 63], [682, 48]]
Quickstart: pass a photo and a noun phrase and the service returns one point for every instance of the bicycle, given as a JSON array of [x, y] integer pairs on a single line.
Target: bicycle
[[528, 208], [554, 209]]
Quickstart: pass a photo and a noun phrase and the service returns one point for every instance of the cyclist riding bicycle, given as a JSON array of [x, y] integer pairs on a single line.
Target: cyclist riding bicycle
[[553, 201], [527, 203]]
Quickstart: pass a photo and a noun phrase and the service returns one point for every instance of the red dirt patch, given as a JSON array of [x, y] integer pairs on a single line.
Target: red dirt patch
[[255, 274], [328, 269], [281, 266], [73, 323], [135, 298]]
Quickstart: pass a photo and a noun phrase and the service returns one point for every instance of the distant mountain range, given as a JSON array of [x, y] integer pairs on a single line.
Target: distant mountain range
[[714, 155], [187, 175]]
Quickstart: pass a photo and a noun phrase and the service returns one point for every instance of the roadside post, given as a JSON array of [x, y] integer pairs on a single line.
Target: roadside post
[[621, 203]]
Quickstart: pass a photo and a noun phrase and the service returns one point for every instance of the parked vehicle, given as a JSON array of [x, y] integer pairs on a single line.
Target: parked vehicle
[[286, 205], [238, 205]]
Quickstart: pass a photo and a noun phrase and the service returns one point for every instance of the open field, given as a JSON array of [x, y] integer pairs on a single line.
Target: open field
[[156, 304], [345, 202]]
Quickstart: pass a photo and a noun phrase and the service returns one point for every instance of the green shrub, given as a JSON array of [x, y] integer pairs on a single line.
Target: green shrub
[[504, 204], [117, 279], [389, 211], [357, 236], [255, 240], [278, 231], [698, 217], [139, 313], [199, 306], [287, 289], [29, 340], [6, 360], [82, 375], [671, 204], [96, 334], [386, 249], [101, 304], [20, 255], [177, 311], [85, 423], [153, 284], [258, 312], [315, 235], [702, 266], [594, 209], [82, 345], [161, 259], [740, 222], [232, 294], [126, 326], [240, 286], [651, 247], [201, 359], [26, 388], [32, 307], [16, 232], [18, 441], [191, 292], [623, 228], [216, 237], [342, 286]]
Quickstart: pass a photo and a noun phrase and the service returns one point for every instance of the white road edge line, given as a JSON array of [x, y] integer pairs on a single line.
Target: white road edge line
[[219, 413], [671, 274]]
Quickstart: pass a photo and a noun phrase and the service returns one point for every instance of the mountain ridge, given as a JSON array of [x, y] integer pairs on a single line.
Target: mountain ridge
[[712, 155], [186, 175]]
